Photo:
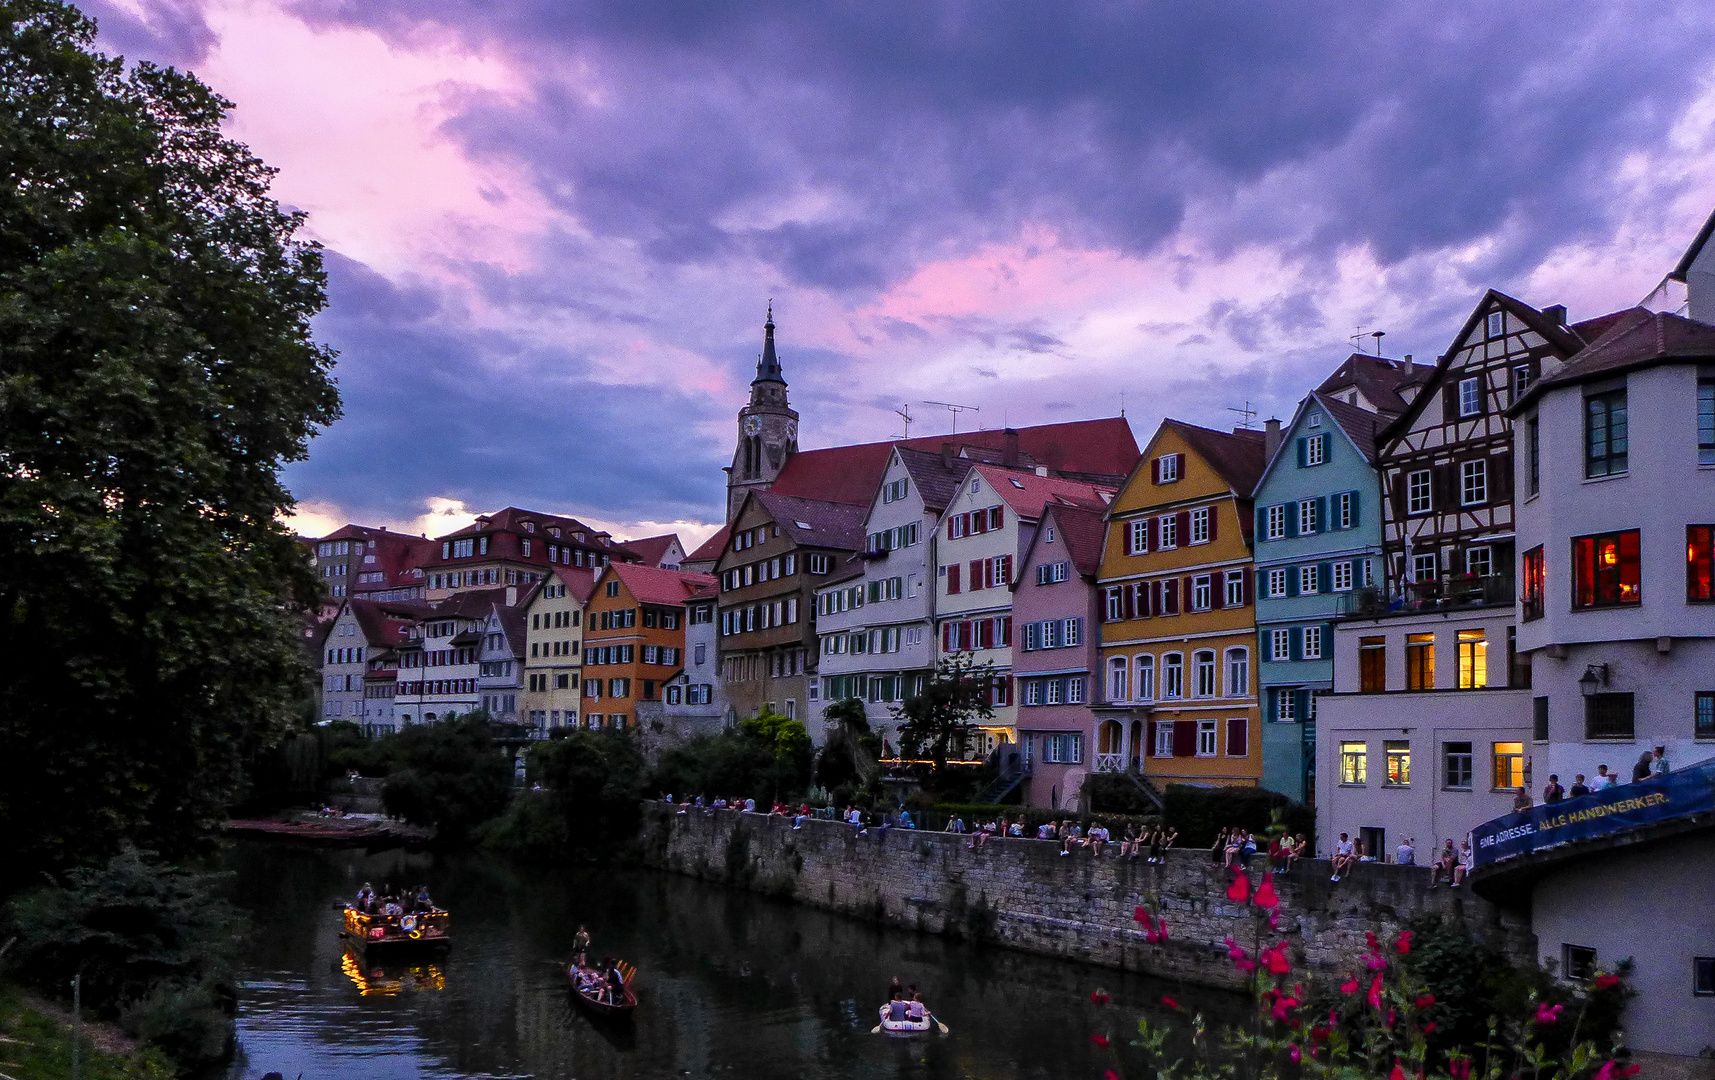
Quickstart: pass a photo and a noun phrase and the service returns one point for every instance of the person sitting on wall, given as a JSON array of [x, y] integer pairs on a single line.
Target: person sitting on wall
[[1161, 843], [1344, 858], [1407, 853], [1295, 849], [1579, 788], [1641, 771], [1098, 838], [1070, 837], [1045, 831], [1445, 866], [1364, 853], [1235, 846], [1467, 860], [1553, 793], [956, 825]]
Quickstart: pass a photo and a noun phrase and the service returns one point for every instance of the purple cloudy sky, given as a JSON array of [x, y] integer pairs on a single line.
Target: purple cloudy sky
[[552, 226]]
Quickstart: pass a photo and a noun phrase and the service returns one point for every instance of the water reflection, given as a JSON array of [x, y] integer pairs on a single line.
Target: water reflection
[[730, 984]]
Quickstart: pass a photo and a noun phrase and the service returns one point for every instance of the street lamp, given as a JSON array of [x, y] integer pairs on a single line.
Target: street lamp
[[1595, 676]]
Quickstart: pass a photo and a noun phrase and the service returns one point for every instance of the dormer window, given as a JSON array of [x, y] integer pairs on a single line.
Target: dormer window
[[529, 526], [1497, 323], [554, 532], [1315, 420]]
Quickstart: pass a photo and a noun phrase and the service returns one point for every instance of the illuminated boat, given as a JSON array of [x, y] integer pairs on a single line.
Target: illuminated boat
[[397, 933]]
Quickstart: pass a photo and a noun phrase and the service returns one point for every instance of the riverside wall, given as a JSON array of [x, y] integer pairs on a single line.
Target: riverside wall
[[1022, 894]]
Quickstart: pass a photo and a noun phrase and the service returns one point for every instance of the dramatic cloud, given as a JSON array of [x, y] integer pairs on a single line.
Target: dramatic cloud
[[552, 226]]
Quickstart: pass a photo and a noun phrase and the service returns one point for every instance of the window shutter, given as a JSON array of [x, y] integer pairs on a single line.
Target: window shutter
[[1303, 451], [1256, 580], [1144, 595], [1214, 516], [1154, 534], [1261, 523], [1322, 522], [976, 581], [1149, 747], [1006, 631], [1444, 482], [1006, 569], [1450, 401], [1292, 581], [1238, 736], [1501, 478], [1218, 590], [1128, 607], [1250, 589], [997, 517], [1184, 737], [1179, 466], [1353, 497], [1170, 596], [1154, 473], [1297, 648], [952, 578], [1292, 519], [1325, 577], [1300, 704], [1399, 504], [1183, 528], [949, 528]]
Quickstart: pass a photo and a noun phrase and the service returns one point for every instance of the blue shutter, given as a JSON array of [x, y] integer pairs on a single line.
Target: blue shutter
[[1261, 583], [1303, 453], [1354, 497], [1261, 523], [1322, 524], [1292, 581], [1301, 705], [1291, 509], [1325, 577], [1297, 651]]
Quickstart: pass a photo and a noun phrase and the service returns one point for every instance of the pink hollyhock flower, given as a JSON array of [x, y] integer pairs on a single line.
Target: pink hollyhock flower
[[1376, 962], [1318, 1032], [1425, 1000], [1169, 1002], [1100, 1040], [1606, 1072], [1429, 1027], [1350, 986], [1245, 966], [1240, 890], [1546, 1014], [1152, 937], [1460, 1068], [1398, 1073], [1283, 1006], [1274, 919], [1265, 897], [1233, 951], [1141, 917], [1403, 942], [1110, 1075], [1161, 928], [1391, 1017], [1604, 981], [1275, 960], [1371, 939], [1376, 993], [1100, 997], [1296, 1054]]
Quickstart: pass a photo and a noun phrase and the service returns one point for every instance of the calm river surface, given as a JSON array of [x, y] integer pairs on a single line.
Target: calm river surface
[[730, 984]]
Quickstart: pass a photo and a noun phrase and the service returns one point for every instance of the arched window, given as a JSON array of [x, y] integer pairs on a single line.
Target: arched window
[[1116, 679], [1173, 676], [1146, 678], [1238, 672], [1203, 665]]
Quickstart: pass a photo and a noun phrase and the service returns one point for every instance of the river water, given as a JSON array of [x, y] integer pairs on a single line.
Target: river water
[[730, 984]]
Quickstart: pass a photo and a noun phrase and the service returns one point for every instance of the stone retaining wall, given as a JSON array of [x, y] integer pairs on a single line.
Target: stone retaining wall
[[1025, 895]]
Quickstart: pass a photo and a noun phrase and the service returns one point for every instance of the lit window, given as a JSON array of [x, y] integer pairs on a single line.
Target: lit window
[[1420, 661], [1473, 660], [1605, 570], [1398, 760], [1354, 763]]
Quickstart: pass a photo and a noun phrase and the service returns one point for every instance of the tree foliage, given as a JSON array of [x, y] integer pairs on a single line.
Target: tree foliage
[[941, 720], [156, 369], [449, 774], [766, 757]]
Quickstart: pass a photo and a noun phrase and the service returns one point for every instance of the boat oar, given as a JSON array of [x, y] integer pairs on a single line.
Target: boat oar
[[874, 1030], [936, 1020]]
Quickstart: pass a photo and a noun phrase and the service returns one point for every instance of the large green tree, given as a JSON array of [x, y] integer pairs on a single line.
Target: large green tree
[[943, 719], [156, 370]]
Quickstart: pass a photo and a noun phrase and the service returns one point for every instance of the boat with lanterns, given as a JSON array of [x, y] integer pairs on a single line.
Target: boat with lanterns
[[407, 931]]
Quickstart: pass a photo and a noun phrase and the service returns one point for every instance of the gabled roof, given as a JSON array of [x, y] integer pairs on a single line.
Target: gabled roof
[[1684, 265], [512, 624], [1083, 532], [1028, 494], [706, 592], [1236, 456], [1636, 338], [850, 474], [513, 519], [653, 585], [710, 550], [815, 522], [579, 581], [937, 480], [651, 549], [848, 569], [1359, 424], [1562, 338], [385, 624], [474, 604], [1378, 379]]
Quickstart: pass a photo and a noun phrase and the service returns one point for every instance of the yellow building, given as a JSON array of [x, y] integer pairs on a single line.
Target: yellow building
[[1178, 699], [553, 659]]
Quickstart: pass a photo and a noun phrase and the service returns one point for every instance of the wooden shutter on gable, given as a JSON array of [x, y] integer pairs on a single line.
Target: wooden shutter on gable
[[1182, 528], [1155, 534], [1179, 466], [952, 578], [1155, 470], [1214, 516], [1501, 478], [1450, 400]]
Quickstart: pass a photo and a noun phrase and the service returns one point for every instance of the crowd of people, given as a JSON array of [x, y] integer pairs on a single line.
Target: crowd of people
[[411, 902]]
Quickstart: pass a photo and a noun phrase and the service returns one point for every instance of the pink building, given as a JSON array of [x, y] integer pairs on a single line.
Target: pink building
[[1056, 655]]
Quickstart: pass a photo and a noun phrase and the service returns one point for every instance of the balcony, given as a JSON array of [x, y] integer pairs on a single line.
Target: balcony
[[1110, 763], [1460, 592]]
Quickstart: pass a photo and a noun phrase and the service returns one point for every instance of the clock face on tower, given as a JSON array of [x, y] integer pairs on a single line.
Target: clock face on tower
[[792, 431], [752, 425]]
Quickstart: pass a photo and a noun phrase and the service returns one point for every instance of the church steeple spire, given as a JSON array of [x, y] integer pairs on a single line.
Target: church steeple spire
[[768, 367]]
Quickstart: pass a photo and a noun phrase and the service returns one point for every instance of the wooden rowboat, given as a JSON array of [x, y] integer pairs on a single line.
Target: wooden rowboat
[[593, 1000]]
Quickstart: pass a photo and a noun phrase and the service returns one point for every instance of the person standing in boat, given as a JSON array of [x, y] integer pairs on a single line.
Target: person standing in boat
[[581, 940]]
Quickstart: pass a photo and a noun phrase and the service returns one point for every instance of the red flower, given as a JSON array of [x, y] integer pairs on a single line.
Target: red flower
[[1282, 1006], [1350, 986], [1141, 917], [1390, 1018], [1427, 1028], [1265, 897], [1403, 942], [1376, 993], [1234, 953], [1110, 1075], [1425, 1000], [1398, 1073], [1274, 960], [1296, 1054], [1603, 982], [1547, 1014], [1152, 937], [1460, 1068], [1169, 1002], [1100, 997], [1274, 919], [1100, 1040], [1370, 938], [1161, 928], [1240, 890], [1376, 962]]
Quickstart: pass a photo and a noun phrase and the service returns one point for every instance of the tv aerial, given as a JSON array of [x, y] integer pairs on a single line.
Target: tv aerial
[[955, 410]]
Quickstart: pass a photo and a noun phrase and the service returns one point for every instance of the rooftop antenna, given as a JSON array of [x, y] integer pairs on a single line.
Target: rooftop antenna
[[906, 414], [1247, 414], [955, 410], [1378, 335], [1357, 339], [1122, 404]]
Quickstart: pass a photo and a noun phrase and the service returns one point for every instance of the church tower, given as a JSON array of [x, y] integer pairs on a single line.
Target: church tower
[[767, 427]]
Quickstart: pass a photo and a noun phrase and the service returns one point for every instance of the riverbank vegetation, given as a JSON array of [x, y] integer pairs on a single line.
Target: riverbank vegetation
[[39, 1042]]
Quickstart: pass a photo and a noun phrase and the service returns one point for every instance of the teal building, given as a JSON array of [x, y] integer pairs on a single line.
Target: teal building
[[1318, 551]]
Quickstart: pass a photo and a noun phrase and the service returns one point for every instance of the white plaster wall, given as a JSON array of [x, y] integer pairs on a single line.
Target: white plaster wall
[[1650, 904], [1662, 685], [1493, 621]]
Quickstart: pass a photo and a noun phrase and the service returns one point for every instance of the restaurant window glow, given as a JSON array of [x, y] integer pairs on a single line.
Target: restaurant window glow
[[1700, 563], [1605, 570]]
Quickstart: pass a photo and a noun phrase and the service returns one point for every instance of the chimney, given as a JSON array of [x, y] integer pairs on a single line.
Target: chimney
[[1556, 314], [1405, 364], [946, 455], [1270, 436], [511, 596], [1009, 455]]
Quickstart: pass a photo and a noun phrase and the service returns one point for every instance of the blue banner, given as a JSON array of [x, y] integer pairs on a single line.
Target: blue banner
[[1678, 794]]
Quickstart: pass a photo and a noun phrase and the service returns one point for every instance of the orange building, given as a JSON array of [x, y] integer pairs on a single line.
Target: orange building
[[1179, 698], [634, 640]]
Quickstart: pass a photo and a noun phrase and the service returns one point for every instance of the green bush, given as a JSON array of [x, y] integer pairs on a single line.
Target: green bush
[[450, 775], [764, 758], [153, 944], [1115, 794], [1201, 812]]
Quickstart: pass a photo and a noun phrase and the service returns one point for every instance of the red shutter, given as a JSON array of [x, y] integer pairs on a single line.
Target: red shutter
[[1179, 466], [997, 517], [1170, 596], [952, 579], [1250, 589], [949, 528], [1214, 516], [1183, 531], [946, 637], [1218, 590], [977, 581], [979, 522], [1149, 747], [1184, 738], [1006, 569], [1005, 631], [1155, 470], [1398, 486], [1155, 534], [1238, 736], [1128, 609]]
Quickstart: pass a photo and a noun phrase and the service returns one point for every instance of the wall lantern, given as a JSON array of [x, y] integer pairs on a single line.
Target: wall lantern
[[1595, 676]]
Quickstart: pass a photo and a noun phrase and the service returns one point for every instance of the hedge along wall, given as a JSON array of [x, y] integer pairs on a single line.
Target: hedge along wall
[[1022, 894]]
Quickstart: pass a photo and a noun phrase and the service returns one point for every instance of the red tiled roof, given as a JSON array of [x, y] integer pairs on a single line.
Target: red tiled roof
[[652, 585], [386, 623], [579, 581], [1083, 531], [651, 549], [710, 550], [816, 522], [850, 474], [1028, 493], [1236, 456]]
